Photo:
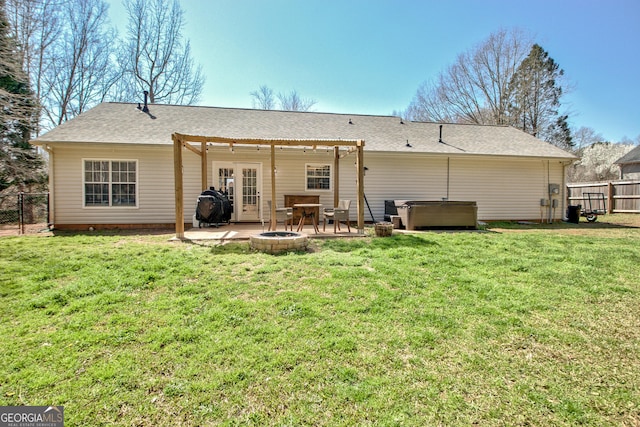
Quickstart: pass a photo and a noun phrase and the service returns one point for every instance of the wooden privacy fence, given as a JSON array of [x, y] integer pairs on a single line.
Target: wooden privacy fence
[[620, 196]]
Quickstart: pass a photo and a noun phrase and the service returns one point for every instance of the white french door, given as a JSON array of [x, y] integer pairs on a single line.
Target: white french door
[[243, 184]]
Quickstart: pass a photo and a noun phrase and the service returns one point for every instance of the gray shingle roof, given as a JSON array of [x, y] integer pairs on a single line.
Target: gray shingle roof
[[632, 156], [121, 123]]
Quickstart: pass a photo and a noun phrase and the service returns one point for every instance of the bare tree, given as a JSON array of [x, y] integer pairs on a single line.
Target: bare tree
[[293, 102], [36, 26], [263, 98], [157, 58], [67, 47], [586, 136], [428, 105], [82, 61], [476, 88], [626, 140]]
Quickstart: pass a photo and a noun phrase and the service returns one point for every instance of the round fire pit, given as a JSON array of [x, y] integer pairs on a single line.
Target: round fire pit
[[275, 242]]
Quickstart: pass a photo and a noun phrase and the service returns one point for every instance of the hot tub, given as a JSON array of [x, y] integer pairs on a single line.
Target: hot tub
[[416, 214]]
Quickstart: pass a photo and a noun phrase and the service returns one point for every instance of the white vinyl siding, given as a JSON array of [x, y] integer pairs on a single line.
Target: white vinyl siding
[[507, 188], [504, 188], [155, 184]]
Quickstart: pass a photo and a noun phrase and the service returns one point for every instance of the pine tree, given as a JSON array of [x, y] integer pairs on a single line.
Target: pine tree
[[21, 168], [559, 133], [536, 93]]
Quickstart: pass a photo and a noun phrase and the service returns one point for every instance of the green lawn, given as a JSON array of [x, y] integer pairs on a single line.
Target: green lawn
[[529, 326]]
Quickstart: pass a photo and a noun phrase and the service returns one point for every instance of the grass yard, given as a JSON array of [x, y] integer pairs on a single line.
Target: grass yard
[[518, 325]]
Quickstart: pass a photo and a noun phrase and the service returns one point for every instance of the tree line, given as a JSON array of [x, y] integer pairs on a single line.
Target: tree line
[[506, 79], [62, 57], [75, 59]]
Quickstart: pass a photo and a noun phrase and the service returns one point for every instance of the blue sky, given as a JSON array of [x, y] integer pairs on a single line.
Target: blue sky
[[370, 56]]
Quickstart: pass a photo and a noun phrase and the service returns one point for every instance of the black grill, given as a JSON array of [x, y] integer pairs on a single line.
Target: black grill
[[213, 208]]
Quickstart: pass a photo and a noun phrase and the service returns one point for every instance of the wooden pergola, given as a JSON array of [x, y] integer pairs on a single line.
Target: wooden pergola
[[188, 141]]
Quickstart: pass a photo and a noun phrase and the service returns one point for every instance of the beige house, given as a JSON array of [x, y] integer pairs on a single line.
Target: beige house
[[114, 164]]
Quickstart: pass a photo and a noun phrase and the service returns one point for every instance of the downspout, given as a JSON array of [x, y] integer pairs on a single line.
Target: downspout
[[550, 215], [448, 174], [565, 191], [52, 199]]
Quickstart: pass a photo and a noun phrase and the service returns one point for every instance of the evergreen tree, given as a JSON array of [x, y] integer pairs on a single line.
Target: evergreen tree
[[536, 93], [559, 134], [20, 164]]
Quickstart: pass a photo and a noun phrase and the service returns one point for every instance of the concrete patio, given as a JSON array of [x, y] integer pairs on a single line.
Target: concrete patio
[[242, 231]]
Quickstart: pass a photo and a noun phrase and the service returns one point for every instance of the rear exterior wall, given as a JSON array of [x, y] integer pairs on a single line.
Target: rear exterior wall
[[505, 188]]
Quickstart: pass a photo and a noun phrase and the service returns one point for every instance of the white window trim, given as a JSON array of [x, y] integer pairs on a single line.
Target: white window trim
[[137, 205], [321, 190]]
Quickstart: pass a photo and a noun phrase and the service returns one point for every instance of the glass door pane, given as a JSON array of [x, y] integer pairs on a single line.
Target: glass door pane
[[249, 209]]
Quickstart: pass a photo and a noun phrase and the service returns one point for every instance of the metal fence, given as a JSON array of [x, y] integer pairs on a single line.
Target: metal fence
[[620, 196], [22, 209]]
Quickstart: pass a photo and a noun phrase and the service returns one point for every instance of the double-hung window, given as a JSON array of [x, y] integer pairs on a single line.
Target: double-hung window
[[110, 183], [318, 177]]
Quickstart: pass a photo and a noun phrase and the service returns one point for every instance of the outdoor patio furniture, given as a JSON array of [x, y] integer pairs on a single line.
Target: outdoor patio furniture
[[282, 214], [295, 199], [338, 215], [308, 210]]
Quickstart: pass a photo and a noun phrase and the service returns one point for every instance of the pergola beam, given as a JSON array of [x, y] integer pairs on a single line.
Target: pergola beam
[[267, 141]]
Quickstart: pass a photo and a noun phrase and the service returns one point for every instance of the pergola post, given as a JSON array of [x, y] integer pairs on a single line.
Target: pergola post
[[272, 214], [360, 184], [203, 165], [179, 191], [336, 176]]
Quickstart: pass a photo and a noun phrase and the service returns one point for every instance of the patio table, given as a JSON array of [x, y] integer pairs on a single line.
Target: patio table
[[308, 210]]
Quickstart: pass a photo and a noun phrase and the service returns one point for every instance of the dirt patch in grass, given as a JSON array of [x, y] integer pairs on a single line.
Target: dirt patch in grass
[[605, 225], [14, 229]]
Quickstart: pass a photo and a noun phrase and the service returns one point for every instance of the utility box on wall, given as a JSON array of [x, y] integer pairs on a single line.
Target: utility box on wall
[[554, 189]]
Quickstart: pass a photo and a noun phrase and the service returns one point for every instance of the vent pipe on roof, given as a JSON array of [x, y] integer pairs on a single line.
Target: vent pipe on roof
[[145, 108], [440, 139]]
